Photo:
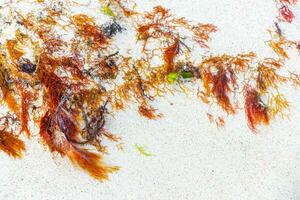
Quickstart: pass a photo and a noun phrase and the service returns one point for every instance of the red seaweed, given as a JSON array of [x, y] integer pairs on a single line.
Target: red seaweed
[[285, 14], [256, 111]]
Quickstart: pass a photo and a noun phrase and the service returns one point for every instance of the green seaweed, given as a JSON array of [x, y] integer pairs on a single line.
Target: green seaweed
[[107, 11], [142, 150]]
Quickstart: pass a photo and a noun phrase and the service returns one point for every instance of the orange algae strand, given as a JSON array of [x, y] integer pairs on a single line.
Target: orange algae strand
[[11, 145], [278, 47], [14, 50], [24, 113], [148, 112], [169, 55], [127, 12], [267, 75], [201, 33], [90, 162], [88, 29], [160, 23]]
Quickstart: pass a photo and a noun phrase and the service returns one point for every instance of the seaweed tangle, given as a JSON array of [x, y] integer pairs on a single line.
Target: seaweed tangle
[[65, 74]]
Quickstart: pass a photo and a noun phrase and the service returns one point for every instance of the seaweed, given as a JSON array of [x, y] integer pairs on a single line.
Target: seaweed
[[88, 29], [169, 55], [255, 109], [219, 75], [286, 14], [68, 87], [142, 150], [11, 145]]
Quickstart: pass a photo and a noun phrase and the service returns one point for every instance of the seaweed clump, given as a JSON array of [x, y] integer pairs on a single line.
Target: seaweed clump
[[68, 86]]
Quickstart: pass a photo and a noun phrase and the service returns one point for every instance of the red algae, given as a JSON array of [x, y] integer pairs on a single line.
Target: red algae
[[221, 87], [219, 75], [286, 14], [256, 110], [293, 2]]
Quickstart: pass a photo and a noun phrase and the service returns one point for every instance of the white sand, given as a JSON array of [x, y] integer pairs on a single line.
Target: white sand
[[193, 159]]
